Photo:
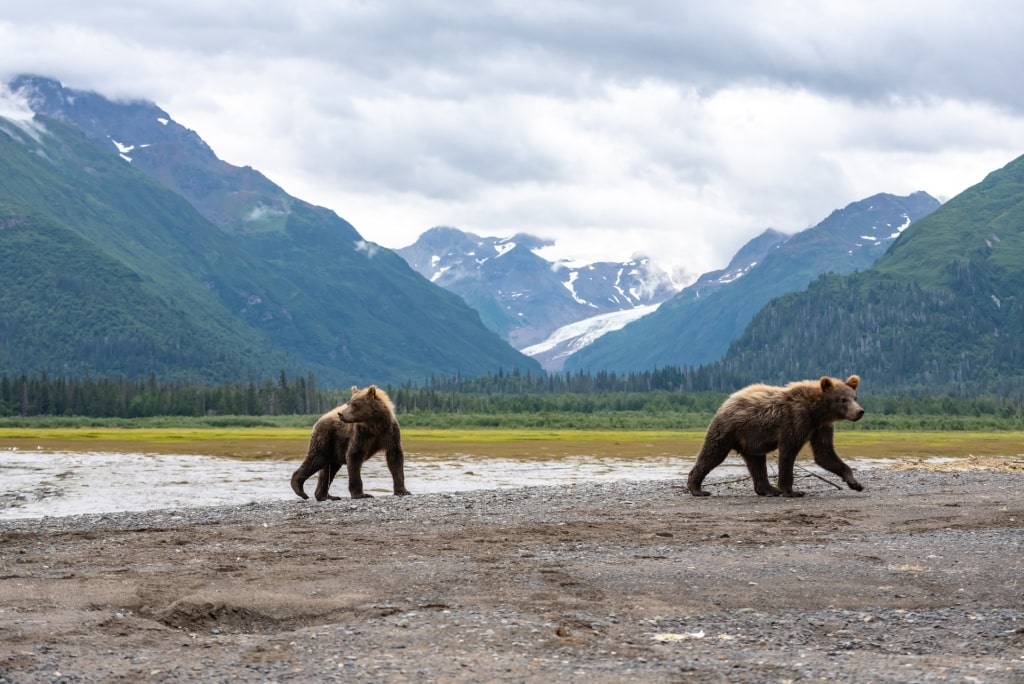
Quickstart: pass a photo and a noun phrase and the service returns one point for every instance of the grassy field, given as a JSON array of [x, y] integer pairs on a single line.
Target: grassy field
[[542, 444]]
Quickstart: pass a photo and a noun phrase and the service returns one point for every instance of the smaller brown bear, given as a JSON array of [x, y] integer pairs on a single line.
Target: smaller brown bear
[[351, 434], [761, 418]]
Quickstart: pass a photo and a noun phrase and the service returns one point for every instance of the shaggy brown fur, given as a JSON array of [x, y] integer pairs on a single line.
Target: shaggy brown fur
[[761, 418], [351, 434]]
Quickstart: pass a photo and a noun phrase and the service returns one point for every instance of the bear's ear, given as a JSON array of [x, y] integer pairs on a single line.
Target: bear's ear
[[354, 390], [371, 391], [826, 383], [853, 381]]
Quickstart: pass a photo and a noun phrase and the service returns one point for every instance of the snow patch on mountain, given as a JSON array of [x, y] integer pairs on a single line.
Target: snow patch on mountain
[[735, 275], [906, 224], [123, 150], [569, 285], [567, 340], [524, 297], [503, 248]]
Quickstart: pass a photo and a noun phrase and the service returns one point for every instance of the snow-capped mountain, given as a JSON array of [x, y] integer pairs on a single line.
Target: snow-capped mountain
[[124, 227], [524, 297], [697, 325], [553, 352]]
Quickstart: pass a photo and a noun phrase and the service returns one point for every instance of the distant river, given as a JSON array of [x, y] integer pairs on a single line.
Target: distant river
[[34, 484]]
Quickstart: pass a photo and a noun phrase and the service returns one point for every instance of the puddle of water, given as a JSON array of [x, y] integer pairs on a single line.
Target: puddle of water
[[34, 484]]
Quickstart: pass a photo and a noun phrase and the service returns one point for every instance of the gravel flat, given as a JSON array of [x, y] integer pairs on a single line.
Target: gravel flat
[[917, 579]]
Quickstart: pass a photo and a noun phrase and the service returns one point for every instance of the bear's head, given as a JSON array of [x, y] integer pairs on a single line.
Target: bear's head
[[370, 405], [841, 397]]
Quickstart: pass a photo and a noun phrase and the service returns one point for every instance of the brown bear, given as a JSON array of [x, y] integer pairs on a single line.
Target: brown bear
[[351, 434], [761, 418]]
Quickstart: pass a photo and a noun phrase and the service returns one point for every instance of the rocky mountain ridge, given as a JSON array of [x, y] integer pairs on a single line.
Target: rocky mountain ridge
[[524, 297]]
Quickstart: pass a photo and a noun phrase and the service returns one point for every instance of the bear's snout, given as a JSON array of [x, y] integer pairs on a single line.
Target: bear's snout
[[857, 414]]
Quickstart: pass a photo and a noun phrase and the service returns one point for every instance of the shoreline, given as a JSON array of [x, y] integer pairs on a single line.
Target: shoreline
[[915, 579]]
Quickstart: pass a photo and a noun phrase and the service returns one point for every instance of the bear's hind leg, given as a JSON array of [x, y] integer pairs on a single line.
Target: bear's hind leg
[[317, 458], [710, 457], [334, 452], [303, 473], [396, 464], [324, 483], [757, 464]]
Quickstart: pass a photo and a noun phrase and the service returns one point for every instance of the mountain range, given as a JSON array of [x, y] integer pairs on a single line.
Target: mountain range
[[128, 248], [631, 316], [696, 326], [524, 297], [942, 311]]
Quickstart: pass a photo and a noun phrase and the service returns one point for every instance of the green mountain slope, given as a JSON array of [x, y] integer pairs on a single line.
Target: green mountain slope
[[60, 180], [943, 310], [697, 325], [97, 315], [276, 284]]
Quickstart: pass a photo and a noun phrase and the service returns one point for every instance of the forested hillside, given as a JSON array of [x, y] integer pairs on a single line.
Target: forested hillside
[[697, 325], [168, 260], [97, 313], [92, 267], [942, 311]]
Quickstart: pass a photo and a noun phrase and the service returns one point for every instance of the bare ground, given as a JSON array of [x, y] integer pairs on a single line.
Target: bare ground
[[919, 578]]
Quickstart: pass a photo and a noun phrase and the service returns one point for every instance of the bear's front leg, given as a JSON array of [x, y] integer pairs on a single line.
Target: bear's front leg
[[787, 461], [825, 456], [355, 478]]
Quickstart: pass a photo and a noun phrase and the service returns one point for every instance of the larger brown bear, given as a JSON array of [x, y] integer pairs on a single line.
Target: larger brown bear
[[351, 434], [761, 418]]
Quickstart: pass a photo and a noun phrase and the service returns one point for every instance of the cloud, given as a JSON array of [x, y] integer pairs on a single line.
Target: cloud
[[367, 248], [15, 109], [676, 129]]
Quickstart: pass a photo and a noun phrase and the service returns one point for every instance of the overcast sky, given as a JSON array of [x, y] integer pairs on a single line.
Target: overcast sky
[[678, 129]]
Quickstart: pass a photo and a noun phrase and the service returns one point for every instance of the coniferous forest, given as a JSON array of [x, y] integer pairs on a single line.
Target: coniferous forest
[[667, 398]]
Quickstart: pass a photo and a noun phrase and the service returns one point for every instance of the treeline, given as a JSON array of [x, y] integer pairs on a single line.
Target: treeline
[[515, 392], [128, 398], [660, 392]]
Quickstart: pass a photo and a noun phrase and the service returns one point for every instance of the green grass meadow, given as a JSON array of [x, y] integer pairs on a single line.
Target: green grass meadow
[[289, 441]]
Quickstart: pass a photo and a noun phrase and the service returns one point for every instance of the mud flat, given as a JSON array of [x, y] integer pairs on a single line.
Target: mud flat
[[917, 579]]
